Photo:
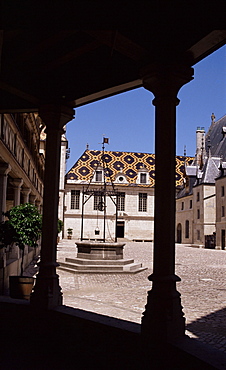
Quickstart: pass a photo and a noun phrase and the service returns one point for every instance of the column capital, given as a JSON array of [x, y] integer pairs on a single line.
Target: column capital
[[56, 116], [166, 80], [32, 198], [5, 168], [16, 183], [25, 191]]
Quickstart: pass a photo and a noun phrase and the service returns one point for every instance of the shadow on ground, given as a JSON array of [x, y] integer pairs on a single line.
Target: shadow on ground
[[211, 329]]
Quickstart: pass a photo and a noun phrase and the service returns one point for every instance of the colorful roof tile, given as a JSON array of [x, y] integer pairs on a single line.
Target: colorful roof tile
[[126, 162]]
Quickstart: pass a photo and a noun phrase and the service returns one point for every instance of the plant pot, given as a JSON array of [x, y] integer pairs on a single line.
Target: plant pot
[[21, 286], [69, 236]]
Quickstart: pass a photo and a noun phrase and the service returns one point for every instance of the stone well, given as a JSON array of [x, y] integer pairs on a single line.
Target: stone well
[[100, 257]]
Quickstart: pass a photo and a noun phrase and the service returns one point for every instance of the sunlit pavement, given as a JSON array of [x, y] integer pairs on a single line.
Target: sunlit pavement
[[202, 288]]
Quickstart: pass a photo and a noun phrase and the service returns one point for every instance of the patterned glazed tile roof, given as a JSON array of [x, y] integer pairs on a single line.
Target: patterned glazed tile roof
[[126, 162]]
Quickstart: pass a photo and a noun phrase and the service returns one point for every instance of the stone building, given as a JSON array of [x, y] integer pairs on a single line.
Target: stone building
[[22, 152], [221, 208], [200, 217], [129, 179], [51, 70]]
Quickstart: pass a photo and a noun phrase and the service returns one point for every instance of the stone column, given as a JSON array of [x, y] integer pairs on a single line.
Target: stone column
[[4, 170], [47, 292], [32, 199], [38, 204], [163, 318], [25, 192], [17, 183]]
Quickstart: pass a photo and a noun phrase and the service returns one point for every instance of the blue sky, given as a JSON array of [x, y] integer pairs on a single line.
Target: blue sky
[[128, 119]]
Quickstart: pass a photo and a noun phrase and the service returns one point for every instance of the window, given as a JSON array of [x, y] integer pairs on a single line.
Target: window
[[97, 201], [143, 178], [15, 145], [2, 125], [121, 202], [198, 197], [198, 213], [99, 176], [182, 206], [222, 191], [186, 229], [198, 234], [190, 203], [142, 207], [222, 211], [75, 195]]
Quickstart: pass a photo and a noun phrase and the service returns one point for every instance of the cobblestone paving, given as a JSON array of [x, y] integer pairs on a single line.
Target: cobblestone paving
[[203, 289]]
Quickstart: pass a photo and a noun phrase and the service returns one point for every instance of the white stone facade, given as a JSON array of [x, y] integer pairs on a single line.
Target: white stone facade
[[135, 224]]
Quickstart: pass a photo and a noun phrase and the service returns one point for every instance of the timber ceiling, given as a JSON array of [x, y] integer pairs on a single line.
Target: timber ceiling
[[74, 52]]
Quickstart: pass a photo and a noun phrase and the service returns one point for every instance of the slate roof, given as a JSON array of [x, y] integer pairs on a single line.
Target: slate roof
[[210, 170], [217, 136], [127, 162], [215, 146]]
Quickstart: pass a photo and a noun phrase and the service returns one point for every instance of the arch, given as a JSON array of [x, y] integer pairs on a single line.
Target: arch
[[179, 233], [187, 229]]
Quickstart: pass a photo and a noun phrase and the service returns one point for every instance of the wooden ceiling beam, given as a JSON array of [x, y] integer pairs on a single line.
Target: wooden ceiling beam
[[45, 44], [208, 45], [74, 54], [1, 43], [21, 94], [116, 41]]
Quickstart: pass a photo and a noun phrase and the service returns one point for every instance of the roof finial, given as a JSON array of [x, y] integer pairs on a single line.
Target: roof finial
[[185, 151], [87, 146], [213, 118]]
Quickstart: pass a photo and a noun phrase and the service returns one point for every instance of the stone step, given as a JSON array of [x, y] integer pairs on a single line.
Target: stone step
[[129, 268], [91, 267], [84, 261], [101, 271], [96, 255]]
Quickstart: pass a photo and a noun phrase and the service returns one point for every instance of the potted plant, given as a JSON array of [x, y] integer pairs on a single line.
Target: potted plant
[[23, 227], [60, 226], [69, 233]]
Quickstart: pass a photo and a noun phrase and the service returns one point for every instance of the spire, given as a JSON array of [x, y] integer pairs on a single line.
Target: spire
[[184, 174]]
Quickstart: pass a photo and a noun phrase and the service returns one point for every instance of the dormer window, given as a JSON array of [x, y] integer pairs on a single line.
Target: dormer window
[[143, 178], [142, 175], [121, 178], [98, 176], [224, 131]]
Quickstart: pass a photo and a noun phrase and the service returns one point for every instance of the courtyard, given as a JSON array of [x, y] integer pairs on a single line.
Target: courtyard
[[202, 288]]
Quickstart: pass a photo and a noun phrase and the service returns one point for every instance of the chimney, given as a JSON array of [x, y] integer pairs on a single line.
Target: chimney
[[200, 146]]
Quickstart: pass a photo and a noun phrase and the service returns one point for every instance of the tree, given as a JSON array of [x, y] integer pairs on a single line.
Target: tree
[[23, 227]]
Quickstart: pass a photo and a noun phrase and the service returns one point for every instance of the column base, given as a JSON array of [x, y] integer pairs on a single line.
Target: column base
[[47, 292], [163, 319]]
